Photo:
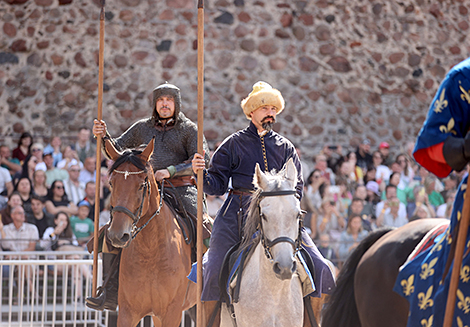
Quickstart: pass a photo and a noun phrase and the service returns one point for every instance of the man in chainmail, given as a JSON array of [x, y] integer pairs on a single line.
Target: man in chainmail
[[175, 144]]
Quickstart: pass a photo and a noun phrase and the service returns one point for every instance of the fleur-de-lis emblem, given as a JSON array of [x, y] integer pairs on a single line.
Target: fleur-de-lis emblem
[[408, 287], [427, 323], [425, 300], [449, 128], [464, 302], [465, 96], [460, 322], [427, 269], [440, 103], [465, 274]]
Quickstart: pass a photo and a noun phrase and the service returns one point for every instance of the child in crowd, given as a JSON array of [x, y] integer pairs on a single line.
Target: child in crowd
[[82, 226]]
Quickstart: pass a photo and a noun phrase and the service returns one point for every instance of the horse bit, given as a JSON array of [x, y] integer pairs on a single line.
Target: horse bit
[[267, 243], [138, 214]]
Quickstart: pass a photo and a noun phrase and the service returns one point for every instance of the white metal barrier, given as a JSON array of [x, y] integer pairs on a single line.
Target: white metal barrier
[[52, 291]]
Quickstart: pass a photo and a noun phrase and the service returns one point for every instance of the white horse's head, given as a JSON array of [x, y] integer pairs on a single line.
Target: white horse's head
[[279, 217]]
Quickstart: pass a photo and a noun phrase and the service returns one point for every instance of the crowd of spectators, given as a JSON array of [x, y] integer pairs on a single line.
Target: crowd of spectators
[[44, 187], [347, 195]]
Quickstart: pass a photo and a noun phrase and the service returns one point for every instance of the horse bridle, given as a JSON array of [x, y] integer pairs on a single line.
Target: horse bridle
[[138, 213], [266, 242]]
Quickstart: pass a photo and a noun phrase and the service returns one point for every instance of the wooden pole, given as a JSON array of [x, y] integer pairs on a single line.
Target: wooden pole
[[98, 152], [200, 149], [458, 257]]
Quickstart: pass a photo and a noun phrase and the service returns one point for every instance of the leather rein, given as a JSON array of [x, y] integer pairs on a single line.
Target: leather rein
[[138, 213], [266, 242]]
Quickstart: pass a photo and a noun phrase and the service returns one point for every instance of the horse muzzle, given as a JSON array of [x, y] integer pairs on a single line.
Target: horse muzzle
[[284, 269], [120, 237]]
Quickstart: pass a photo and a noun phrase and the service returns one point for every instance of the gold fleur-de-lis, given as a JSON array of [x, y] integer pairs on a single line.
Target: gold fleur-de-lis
[[425, 300], [440, 103], [449, 128], [460, 322], [465, 96], [464, 302], [465, 274], [408, 287], [427, 269], [427, 323]]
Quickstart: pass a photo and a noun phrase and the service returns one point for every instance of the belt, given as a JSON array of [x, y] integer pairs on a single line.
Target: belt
[[179, 181], [245, 192]]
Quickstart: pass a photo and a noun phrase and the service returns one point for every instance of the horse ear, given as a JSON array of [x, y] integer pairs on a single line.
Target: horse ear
[[147, 153], [111, 150], [291, 172], [259, 179]]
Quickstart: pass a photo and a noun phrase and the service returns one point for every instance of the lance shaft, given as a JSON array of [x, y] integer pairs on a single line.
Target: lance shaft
[[98, 152], [200, 149]]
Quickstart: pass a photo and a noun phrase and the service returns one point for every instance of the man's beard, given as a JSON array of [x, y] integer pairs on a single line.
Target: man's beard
[[268, 125]]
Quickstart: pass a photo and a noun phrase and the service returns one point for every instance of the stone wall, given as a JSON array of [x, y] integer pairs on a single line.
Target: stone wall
[[347, 69]]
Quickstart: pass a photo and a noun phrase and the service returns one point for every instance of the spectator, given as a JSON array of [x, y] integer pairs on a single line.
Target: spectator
[[407, 173], [326, 249], [395, 181], [389, 215], [53, 173], [12, 164], [315, 179], [28, 168], [334, 156], [364, 159], [82, 226], [37, 150], [346, 171], [421, 212], [19, 235], [373, 194], [74, 189], [444, 210], [6, 185], [321, 165], [351, 237], [357, 171], [368, 205], [451, 183], [357, 209], [370, 174], [384, 149], [57, 200], [83, 146], [105, 214], [24, 189], [24, 147], [14, 200], [435, 199], [39, 184], [382, 172], [54, 149], [390, 193], [344, 195], [70, 157], [39, 217], [330, 221], [90, 189], [88, 174]]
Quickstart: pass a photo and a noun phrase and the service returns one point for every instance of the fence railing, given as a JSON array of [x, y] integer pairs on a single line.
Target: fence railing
[[50, 290]]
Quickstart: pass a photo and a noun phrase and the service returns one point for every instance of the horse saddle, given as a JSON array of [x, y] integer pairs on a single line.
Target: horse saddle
[[234, 263]]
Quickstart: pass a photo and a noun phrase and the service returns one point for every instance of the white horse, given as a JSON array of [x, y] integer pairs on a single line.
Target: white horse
[[270, 290]]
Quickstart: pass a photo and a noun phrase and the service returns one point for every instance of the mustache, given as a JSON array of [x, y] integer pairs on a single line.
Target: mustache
[[165, 107], [267, 117]]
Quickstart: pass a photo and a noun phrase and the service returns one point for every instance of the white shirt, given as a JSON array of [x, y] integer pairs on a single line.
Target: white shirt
[[5, 177], [13, 237], [74, 193], [85, 176], [401, 210]]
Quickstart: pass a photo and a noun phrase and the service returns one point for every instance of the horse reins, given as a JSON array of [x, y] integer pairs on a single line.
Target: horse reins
[[266, 242], [138, 213]]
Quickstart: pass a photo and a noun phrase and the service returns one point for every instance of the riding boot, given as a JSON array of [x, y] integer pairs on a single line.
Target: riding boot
[[209, 307], [108, 295]]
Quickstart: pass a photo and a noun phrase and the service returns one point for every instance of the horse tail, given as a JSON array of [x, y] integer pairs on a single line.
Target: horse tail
[[341, 308]]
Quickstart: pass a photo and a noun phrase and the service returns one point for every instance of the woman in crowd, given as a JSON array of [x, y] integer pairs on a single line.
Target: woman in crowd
[[54, 148], [24, 147], [407, 173], [395, 180], [39, 183], [351, 237], [14, 200], [24, 189], [330, 221], [57, 200], [314, 181], [422, 211], [382, 172], [28, 168]]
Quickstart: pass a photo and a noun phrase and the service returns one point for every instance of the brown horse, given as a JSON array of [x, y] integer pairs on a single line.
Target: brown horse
[[364, 291], [155, 263]]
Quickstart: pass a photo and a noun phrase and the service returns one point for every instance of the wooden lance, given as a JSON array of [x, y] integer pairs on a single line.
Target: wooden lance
[[200, 149], [458, 257], [98, 152]]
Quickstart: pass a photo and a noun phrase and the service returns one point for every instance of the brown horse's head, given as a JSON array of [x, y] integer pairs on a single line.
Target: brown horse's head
[[131, 179]]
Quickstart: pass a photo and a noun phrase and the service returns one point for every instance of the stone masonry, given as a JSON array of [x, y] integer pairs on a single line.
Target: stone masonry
[[347, 69]]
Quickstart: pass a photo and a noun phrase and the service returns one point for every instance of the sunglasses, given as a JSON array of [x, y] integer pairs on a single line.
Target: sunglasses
[[35, 150], [75, 170], [59, 187]]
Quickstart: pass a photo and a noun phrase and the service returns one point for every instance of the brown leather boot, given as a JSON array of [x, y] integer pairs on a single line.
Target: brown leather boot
[[209, 307]]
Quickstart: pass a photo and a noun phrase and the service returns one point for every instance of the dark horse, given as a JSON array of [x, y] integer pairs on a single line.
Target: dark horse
[[154, 264], [363, 294]]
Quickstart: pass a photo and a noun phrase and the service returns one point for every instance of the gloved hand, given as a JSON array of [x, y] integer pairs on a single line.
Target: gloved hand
[[456, 152]]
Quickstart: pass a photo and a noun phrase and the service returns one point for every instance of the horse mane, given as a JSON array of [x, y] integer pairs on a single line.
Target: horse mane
[[132, 156], [253, 217]]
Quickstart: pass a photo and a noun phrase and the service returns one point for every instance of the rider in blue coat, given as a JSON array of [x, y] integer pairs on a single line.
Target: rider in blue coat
[[235, 160], [443, 145]]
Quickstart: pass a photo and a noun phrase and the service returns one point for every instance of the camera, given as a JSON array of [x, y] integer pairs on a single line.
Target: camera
[[333, 147]]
